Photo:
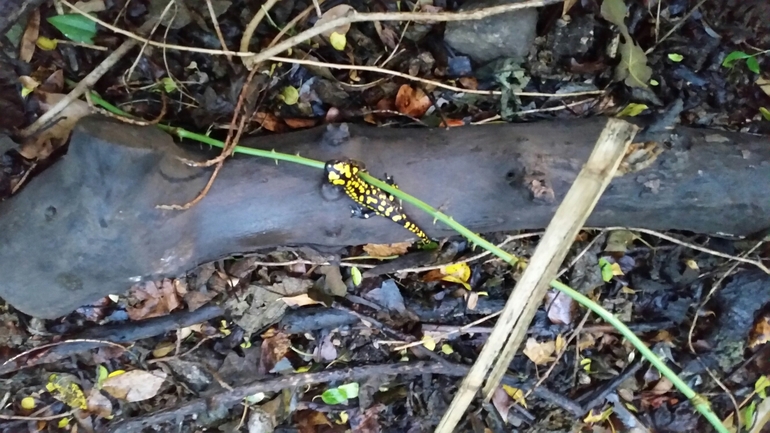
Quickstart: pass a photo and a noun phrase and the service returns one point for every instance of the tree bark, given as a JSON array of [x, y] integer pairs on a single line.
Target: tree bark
[[88, 225]]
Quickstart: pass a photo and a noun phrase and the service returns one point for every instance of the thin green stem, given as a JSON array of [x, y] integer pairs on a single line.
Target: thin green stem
[[700, 403]]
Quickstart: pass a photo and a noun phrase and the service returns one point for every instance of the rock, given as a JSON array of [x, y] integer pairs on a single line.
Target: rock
[[510, 34]]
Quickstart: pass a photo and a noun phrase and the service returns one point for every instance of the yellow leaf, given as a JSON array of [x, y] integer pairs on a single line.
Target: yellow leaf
[[594, 417], [586, 364], [429, 342], [459, 270], [28, 403], [616, 269], [45, 43], [516, 394], [338, 41], [560, 343], [116, 373], [632, 110], [64, 422], [453, 279], [447, 349]]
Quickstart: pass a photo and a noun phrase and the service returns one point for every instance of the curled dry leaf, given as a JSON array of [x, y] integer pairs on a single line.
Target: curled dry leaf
[[540, 353], [332, 14], [412, 102], [41, 145], [28, 40], [386, 250], [135, 385]]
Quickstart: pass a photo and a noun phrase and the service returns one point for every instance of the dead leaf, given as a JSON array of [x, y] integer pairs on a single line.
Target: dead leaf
[[91, 6], [539, 353], [560, 307], [308, 420], [300, 300], [269, 121], [99, 404], [387, 35], [387, 250], [662, 387], [469, 83], [151, 299], [452, 123], [325, 351], [134, 385], [29, 39], [760, 332], [299, 123], [197, 299], [502, 402], [43, 144], [274, 348], [412, 102], [619, 240], [332, 14]]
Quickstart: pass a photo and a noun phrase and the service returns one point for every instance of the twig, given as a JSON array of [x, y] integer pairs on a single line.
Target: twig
[[379, 70], [252, 26], [82, 87], [255, 58], [672, 239], [38, 418], [60, 343], [218, 30], [676, 26]]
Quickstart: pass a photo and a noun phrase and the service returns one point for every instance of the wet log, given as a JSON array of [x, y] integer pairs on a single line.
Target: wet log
[[88, 226]]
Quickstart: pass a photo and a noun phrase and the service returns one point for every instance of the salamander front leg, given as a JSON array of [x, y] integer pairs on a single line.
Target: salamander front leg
[[359, 211]]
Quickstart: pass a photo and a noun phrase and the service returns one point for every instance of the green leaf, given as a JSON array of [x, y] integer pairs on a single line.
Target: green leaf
[[101, 375], [168, 83], [289, 95], [632, 110], [765, 113], [350, 389], [748, 413], [341, 394], [654, 82], [733, 57], [75, 27], [606, 268], [356, 274], [633, 65], [760, 385], [676, 58], [614, 11], [753, 64]]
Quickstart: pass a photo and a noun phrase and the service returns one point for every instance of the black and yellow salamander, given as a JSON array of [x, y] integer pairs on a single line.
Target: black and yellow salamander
[[369, 199]]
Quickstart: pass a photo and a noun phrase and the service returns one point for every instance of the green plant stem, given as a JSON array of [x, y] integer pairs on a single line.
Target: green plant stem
[[701, 404]]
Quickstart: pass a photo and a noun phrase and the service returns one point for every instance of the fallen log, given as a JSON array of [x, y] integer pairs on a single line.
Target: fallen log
[[88, 226]]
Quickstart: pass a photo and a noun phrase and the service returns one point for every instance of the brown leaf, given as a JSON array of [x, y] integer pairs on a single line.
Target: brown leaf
[[412, 102], [274, 348], [386, 250], [539, 353], [332, 14], [135, 385], [152, 300], [299, 123], [469, 83], [98, 404], [197, 299], [308, 420], [764, 84], [387, 35], [269, 121], [560, 307], [27, 45], [44, 143]]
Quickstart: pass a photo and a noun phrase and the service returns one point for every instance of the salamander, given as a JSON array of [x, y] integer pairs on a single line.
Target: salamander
[[369, 199]]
